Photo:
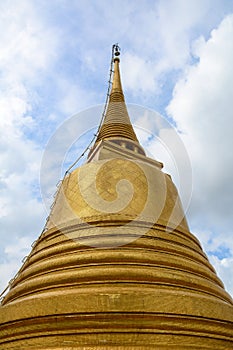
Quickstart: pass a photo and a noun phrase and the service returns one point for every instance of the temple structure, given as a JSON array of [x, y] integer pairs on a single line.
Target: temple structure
[[117, 266]]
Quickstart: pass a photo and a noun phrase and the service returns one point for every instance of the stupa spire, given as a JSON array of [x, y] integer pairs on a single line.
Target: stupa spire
[[116, 122], [117, 94]]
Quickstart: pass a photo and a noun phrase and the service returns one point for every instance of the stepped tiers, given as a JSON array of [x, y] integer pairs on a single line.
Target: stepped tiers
[[117, 267]]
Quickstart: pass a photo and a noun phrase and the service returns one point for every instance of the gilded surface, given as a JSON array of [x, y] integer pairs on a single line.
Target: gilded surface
[[105, 277], [116, 268]]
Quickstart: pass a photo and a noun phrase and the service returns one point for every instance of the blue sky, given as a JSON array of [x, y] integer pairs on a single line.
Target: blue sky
[[176, 59]]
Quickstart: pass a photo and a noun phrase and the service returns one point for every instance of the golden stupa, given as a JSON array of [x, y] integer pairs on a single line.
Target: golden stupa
[[117, 267]]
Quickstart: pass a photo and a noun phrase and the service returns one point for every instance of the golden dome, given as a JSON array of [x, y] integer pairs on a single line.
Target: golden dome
[[117, 267]]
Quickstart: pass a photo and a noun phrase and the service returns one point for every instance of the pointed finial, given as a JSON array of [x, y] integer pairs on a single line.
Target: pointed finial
[[116, 50]]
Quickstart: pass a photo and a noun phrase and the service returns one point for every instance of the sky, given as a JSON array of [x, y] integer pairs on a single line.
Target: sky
[[176, 60]]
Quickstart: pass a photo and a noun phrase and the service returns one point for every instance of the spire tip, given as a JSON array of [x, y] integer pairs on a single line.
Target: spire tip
[[116, 51]]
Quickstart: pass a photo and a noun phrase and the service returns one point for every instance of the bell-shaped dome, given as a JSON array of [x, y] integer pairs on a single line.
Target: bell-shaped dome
[[117, 267]]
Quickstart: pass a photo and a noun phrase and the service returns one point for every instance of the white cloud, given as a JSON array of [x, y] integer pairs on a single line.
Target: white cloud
[[224, 269], [155, 38], [202, 108], [73, 97], [27, 49], [176, 21], [138, 74], [13, 255], [26, 45]]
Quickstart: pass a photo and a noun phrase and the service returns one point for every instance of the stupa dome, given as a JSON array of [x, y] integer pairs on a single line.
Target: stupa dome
[[117, 266]]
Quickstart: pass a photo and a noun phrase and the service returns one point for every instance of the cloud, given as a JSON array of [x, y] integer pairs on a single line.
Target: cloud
[[26, 45], [27, 49], [14, 252], [224, 269], [155, 39], [202, 108]]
